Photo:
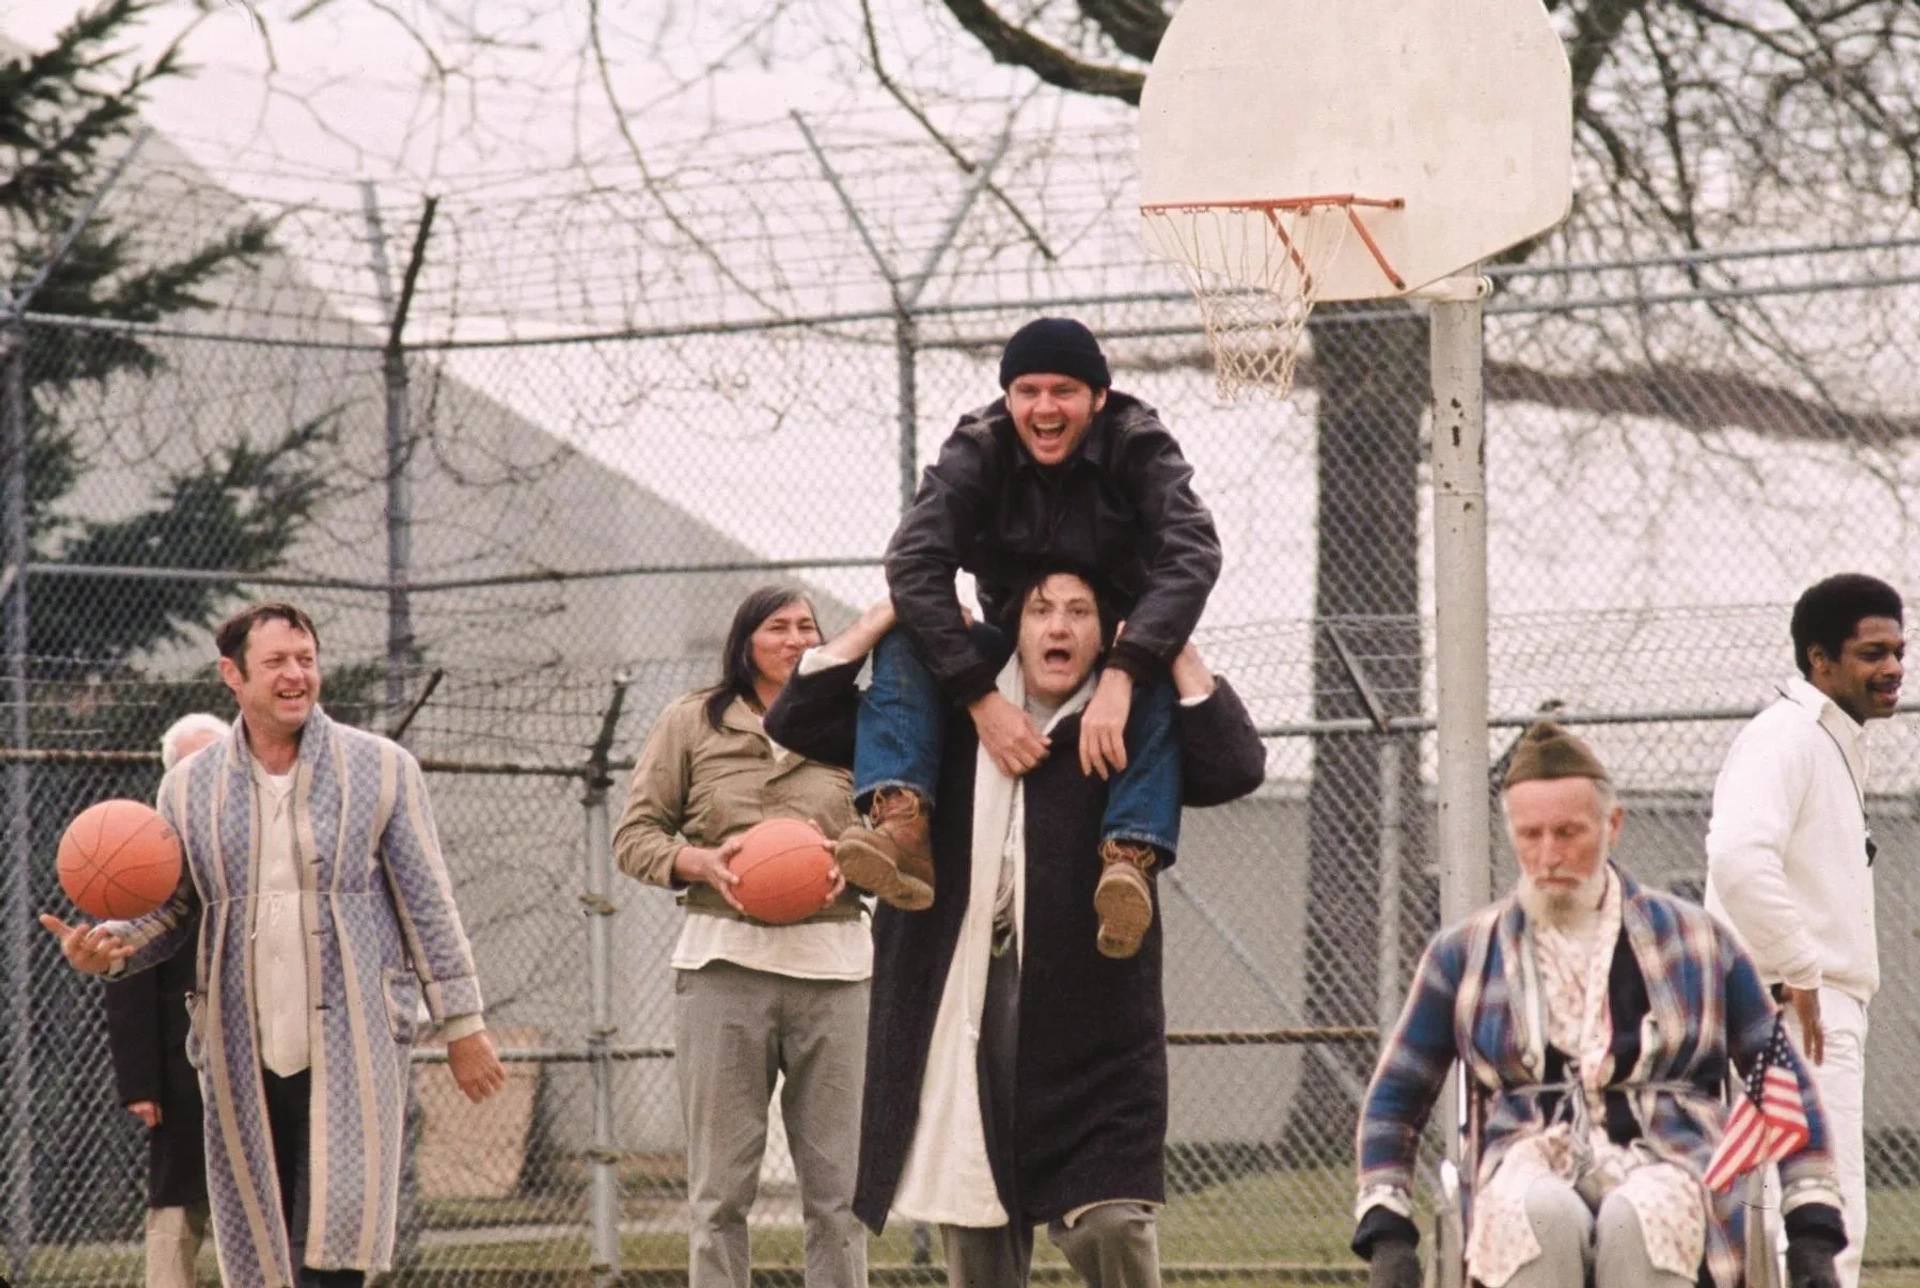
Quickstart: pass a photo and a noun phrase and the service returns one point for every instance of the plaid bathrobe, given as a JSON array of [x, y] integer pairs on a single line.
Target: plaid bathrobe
[[384, 935], [1703, 1004]]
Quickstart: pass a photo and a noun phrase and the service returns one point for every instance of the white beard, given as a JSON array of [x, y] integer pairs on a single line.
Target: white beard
[[1574, 911]]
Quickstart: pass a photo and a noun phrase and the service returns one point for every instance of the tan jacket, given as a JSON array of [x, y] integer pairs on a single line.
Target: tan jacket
[[695, 785]]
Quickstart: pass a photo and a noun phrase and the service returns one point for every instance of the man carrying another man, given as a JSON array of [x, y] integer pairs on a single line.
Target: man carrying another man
[[1016, 1075], [1601, 1020]]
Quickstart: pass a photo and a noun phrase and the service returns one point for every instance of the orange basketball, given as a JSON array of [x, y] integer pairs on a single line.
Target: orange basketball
[[119, 860], [785, 866]]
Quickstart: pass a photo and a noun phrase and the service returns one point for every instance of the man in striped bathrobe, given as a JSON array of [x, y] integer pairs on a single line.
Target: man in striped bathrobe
[[326, 919]]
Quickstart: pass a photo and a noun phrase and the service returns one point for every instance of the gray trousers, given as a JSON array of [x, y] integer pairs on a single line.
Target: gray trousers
[[737, 1030], [1572, 1237], [1115, 1245]]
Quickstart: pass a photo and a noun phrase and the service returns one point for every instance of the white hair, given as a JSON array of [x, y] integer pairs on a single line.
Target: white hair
[[179, 730]]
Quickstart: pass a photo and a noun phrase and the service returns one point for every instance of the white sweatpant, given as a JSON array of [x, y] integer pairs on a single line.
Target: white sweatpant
[[1841, 1081]]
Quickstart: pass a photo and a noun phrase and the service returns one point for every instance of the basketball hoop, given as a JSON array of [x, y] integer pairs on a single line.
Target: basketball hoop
[[1256, 268]]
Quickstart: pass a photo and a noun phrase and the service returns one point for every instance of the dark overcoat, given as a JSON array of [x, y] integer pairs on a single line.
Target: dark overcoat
[[147, 1040], [1090, 1084]]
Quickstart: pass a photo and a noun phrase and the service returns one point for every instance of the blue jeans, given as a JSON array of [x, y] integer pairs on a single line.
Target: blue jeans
[[903, 717]]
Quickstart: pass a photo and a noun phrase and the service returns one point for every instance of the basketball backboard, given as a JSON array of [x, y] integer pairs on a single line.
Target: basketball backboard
[[1460, 110]]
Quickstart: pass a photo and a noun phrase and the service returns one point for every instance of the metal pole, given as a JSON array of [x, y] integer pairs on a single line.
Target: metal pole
[[399, 537], [400, 646], [1460, 596], [1460, 620], [19, 884], [906, 340], [1392, 823], [605, 1193]]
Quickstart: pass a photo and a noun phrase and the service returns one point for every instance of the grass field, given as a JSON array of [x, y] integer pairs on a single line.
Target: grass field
[[1262, 1231]]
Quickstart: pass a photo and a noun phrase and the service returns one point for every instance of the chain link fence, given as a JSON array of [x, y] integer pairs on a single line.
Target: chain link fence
[[1676, 447]]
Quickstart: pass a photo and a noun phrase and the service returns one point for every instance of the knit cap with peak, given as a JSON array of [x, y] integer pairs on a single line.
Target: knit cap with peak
[[1056, 347], [1546, 750]]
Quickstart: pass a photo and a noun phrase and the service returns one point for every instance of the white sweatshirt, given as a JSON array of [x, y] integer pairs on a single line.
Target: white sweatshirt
[[1787, 848]]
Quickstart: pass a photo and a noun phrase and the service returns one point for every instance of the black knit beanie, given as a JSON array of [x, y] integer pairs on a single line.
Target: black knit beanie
[[1054, 346]]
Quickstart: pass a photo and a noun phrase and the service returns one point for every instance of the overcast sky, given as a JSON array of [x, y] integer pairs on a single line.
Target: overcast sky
[[348, 93]]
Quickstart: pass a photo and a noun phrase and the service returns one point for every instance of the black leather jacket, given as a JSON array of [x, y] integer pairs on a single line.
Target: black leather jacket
[[1123, 504]]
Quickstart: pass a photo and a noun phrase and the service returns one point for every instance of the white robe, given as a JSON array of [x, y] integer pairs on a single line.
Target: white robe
[[948, 1178]]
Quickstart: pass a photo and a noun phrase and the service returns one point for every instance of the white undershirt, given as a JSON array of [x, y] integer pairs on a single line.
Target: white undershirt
[[281, 1000]]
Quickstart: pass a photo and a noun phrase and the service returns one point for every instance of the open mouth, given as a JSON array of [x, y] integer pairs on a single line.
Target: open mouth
[[1057, 656]]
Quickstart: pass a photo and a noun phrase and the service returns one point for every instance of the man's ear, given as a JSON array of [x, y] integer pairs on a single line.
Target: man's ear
[[230, 674], [1099, 400]]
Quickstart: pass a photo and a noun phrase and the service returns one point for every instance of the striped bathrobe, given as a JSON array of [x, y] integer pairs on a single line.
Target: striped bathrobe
[[1705, 1010], [383, 934]]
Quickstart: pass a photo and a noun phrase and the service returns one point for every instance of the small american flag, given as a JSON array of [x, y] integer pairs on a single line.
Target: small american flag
[[1767, 1123]]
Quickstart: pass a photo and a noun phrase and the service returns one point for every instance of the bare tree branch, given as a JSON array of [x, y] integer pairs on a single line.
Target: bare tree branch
[[673, 216], [966, 164], [1597, 29], [1134, 26], [1015, 46]]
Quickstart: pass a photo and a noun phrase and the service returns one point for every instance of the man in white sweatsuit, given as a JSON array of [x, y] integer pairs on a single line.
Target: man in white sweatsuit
[[1790, 857]]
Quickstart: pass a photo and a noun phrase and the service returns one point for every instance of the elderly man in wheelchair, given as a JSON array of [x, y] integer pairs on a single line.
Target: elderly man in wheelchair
[[1596, 1019]]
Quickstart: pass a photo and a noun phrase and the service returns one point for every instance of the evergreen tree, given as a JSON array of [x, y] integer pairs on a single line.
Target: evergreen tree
[[66, 113]]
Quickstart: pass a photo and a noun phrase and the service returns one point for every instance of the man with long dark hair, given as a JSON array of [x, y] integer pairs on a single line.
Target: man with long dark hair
[[754, 1002]]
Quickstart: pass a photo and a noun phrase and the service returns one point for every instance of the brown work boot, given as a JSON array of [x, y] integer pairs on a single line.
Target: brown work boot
[[889, 855], [1124, 897]]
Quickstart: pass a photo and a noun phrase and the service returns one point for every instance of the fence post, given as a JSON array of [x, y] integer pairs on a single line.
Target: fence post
[[906, 294], [393, 364], [906, 344], [605, 1198], [18, 1053], [1392, 857], [15, 553]]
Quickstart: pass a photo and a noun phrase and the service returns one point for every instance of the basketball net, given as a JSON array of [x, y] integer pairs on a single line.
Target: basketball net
[[1256, 270]]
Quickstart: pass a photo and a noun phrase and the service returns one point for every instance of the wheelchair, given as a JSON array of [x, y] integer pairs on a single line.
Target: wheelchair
[[1447, 1266]]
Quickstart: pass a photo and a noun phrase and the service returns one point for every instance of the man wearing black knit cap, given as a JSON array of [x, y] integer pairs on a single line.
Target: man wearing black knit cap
[[1060, 471]]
